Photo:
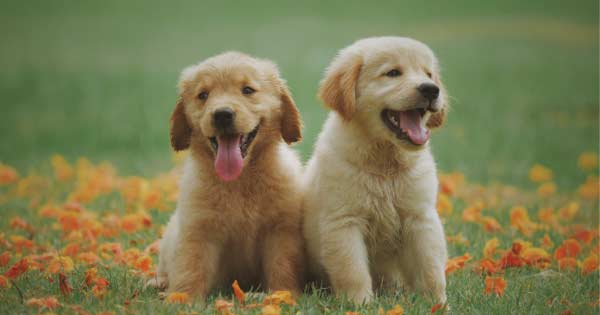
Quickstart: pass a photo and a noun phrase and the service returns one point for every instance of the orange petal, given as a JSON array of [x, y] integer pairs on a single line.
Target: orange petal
[[569, 248], [177, 298], [238, 292], [495, 285]]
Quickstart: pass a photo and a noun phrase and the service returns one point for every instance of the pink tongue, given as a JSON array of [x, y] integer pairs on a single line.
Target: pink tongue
[[410, 122], [229, 162]]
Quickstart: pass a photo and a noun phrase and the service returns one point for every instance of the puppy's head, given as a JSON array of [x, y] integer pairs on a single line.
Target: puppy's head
[[228, 106], [390, 86]]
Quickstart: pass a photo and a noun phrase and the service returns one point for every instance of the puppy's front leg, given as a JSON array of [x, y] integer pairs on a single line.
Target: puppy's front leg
[[345, 258], [195, 267], [425, 255], [283, 260]]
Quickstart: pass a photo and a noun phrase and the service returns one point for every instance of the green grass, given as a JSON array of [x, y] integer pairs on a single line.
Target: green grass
[[97, 79]]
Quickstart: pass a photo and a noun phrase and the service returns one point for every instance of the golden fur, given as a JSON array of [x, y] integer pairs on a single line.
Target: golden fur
[[370, 216], [248, 229]]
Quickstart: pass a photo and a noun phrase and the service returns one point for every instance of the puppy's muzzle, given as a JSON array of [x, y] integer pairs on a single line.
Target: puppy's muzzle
[[431, 92], [223, 120]]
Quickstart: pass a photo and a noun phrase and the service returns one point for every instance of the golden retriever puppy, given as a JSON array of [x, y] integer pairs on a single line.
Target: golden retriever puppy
[[238, 216], [371, 184]]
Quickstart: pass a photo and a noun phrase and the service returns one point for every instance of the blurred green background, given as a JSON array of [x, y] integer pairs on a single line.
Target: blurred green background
[[97, 79]]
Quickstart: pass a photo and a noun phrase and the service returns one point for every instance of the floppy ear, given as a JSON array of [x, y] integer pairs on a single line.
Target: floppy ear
[[338, 87], [438, 118], [291, 124], [181, 132]]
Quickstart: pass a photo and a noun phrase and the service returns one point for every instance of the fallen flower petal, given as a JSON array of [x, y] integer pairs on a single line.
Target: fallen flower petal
[[397, 310], [177, 298], [43, 303], [569, 248], [279, 297], [272, 310], [17, 269], [539, 173], [490, 248], [457, 263], [4, 282], [590, 264], [495, 285], [567, 263], [238, 292]]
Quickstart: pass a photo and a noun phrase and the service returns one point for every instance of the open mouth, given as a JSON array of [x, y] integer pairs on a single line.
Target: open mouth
[[244, 141], [231, 149], [406, 125]]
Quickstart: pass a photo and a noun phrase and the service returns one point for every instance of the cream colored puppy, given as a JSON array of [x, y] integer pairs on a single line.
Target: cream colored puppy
[[371, 184]]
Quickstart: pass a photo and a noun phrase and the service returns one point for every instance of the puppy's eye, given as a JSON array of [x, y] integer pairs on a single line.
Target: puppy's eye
[[248, 90], [203, 95], [429, 74], [393, 73]]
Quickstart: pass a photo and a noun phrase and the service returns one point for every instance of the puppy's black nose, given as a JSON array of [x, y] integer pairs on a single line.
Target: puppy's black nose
[[223, 117], [429, 90]]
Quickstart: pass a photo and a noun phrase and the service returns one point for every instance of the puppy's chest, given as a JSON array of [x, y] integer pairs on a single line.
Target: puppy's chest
[[388, 203]]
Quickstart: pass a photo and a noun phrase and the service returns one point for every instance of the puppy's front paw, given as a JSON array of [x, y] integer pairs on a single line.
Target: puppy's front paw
[[157, 282], [362, 296]]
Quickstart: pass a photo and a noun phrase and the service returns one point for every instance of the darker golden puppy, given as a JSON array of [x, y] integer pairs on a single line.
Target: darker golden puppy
[[238, 214]]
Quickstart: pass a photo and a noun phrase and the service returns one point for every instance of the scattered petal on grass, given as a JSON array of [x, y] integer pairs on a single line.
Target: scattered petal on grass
[[547, 215], [60, 263], [444, 205], [457, 239], [590, 264], [568, 263], [490, 224], [64, 285], [490, 248], [487, 266], [397, 310], [279, 297], [436, 307], [534, 256], [223, 307], [569, 211], [591, 188], [43, 303], [274, 310], [495, 285], [569, 248], [71, 249], [585, 235], [539, 173], [472, 214], [547, 242], [238, 292], [17, 269], [143, 263], [20, 243], [519, 219], [177, 298], [4, 259], [457, 263], [8, 175], [88, 257], [546, 189], [588, 161], [4, 282], [63, 171]]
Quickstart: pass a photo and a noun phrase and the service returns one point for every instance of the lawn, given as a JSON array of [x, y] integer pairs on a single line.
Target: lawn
[[95, 81]]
